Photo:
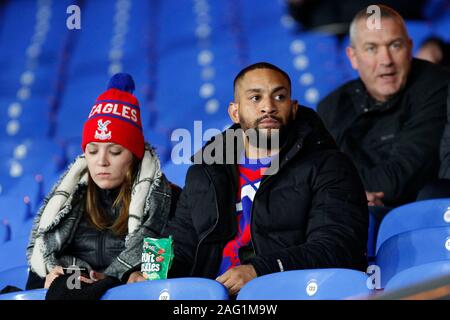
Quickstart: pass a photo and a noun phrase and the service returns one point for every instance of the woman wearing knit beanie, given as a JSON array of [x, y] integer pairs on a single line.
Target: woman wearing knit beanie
[[109, 199]]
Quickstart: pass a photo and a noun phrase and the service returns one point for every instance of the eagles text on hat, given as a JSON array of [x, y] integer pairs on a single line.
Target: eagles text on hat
[[118, 109]]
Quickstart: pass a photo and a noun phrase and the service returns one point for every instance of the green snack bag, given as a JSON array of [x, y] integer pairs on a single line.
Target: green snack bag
[[157, 258]]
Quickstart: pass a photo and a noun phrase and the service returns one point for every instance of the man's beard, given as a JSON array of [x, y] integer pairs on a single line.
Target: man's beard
[[266, 138]]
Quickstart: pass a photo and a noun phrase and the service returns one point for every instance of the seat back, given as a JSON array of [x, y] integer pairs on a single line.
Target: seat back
[[418, 275], [13, 253], [414, 216], [413, 248], [5, 231], [37, 294], [169, 289], [314, 284], [16, 277]]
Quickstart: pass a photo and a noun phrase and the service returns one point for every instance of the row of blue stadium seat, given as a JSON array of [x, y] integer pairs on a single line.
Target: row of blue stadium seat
[[31, 74], [412, 249], [402, 251], [412, 236], [88, 68], [330, 284], [317, 284], [307, 56]]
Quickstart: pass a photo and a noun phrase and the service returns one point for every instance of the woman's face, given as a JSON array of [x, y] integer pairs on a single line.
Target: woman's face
[[107, 163]]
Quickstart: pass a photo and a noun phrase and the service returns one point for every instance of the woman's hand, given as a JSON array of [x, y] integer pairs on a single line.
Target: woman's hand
[[136, 277], [94, 276], [52, 275]]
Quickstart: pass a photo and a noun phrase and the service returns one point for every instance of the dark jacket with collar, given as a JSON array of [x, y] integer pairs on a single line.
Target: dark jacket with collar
[[311, 214], [444, 170], [394, 145]]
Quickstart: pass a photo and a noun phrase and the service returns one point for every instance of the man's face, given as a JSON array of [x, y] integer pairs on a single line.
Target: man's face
[[382, 57], [263, 101]]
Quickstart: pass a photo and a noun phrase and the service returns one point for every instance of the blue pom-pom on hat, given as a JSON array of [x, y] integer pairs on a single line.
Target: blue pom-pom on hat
[[122, 81]]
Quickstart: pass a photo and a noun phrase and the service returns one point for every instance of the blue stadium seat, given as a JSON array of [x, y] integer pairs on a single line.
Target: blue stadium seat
[[178, 27], [13, 253], [16, 229], [88, 69], [72, 149], [48, 183], [414, 216], [176, 173], [412, 248], [419, 274], [38, 294], [16, 277], [14, 207], [21, 187], [261, 16], [441, 27], [314, 284], [29, 169], [159, 139], [35, 63], [24, 231], [5, 231], [418, 31], [17, 213], [14, 43], [376, 215], [170, 289]]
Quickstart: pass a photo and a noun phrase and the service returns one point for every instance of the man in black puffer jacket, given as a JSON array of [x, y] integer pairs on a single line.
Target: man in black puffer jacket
[[236, 220]]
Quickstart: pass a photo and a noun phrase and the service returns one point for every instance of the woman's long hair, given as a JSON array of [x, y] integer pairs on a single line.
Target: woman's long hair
[[94, 210]]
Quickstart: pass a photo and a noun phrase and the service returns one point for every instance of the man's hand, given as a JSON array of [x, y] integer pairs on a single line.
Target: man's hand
[[235, 278], [136, 277], [55, 273], [374, 198]]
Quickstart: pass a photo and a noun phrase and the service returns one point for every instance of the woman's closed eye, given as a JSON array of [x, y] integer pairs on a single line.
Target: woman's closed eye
[[115, 152]]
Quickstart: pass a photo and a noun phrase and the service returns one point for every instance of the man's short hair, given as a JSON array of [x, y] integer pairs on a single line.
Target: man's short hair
[[385, 12], [260, 65]]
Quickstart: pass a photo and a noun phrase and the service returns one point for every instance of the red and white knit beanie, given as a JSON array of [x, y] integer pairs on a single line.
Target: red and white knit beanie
[[116, 117]]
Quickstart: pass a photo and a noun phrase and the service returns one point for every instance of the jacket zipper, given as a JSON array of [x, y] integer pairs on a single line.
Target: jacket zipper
[[255, 251], [100, 248]]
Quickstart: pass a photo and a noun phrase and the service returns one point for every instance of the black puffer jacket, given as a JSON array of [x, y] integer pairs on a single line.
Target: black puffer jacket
[[394, 145], [98, 248], [311, 214]]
